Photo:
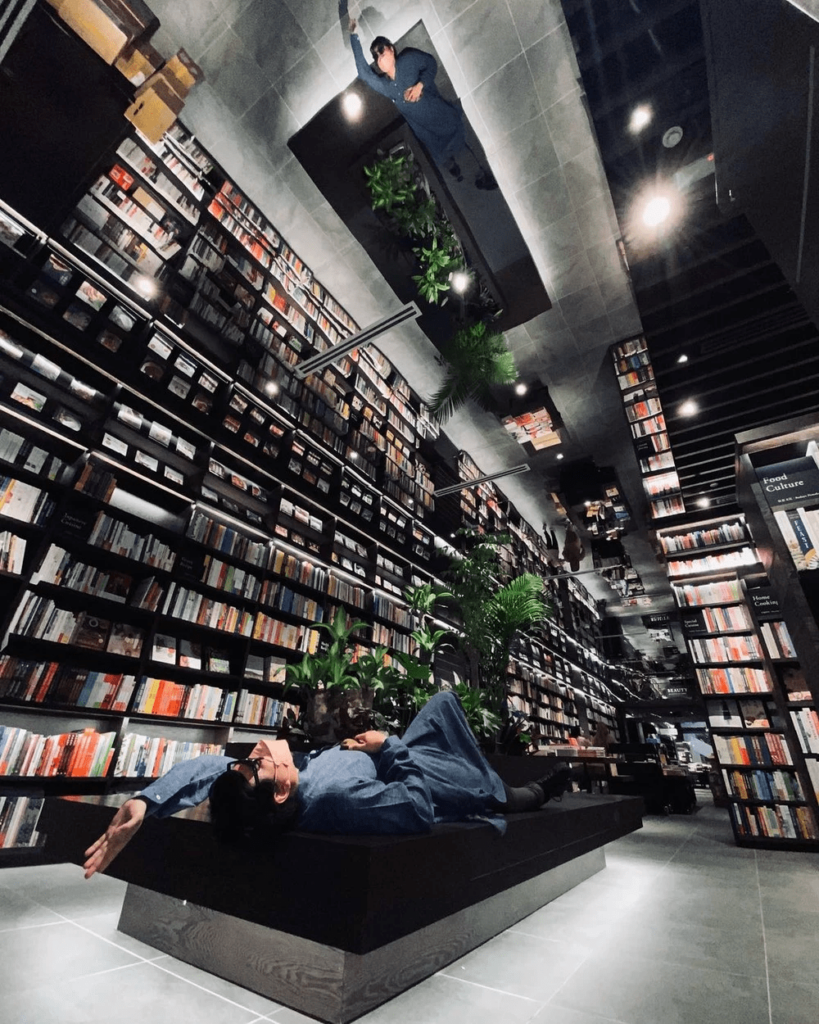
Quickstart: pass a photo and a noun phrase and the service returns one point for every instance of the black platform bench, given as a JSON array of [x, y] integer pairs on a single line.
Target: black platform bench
[[336, 925]]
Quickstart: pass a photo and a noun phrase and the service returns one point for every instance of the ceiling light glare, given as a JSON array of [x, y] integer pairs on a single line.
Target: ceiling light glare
[[459, 280], [271, 388], [640, 117], [683, 358], [146, 286], [351, 105], [689, 408], [703, 502], [560, 455], [656, 211], [521, 389]]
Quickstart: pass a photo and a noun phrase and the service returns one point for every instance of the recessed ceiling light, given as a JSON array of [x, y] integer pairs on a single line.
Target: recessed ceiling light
[[689, 408], [656, 211], [521, 389], [460, 281], [640, 117], [587, 503], [351, 105], [353, 455], [271, 388], [683, 358], [560, 455], [146, 286], [672, 136], [703, 502]]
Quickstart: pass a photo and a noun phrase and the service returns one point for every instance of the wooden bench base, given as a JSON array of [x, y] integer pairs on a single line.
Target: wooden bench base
[[320, 980]]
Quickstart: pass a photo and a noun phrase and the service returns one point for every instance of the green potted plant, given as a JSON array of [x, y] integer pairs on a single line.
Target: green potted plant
[[478, 357]]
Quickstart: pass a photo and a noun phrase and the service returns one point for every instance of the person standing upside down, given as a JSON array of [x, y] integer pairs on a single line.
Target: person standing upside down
[[408, 79], [373, 784]]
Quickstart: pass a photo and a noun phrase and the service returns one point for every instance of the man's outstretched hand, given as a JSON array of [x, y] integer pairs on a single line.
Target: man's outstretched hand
[[369, 742], [413, 94], [124, 826], [353, 25]]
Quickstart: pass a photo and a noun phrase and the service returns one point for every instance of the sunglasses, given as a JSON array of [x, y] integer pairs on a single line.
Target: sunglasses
[[248, 762]]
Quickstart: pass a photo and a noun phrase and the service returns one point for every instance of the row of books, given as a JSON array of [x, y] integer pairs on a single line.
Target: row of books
[[116, 536], [777, 640], [19, 500], [763, 785], [806, 725], [191, 606], [12, 552], [345, 591], [171, 650], [152, 756], [735, 647], [712, 563], [800, 531], [16, 450], [259, 709], [738, 679], [392, 612], [383, 636], [78, 687], [720, 592], [230, 578], [18, 821], [284, 634], [765, 748], [779, 822], [287, 600], [61, 568], [718, 619], [85, 754], [704, 537], [661, 507], [199, 701], [268, 669], [39, 617], [213, 534]]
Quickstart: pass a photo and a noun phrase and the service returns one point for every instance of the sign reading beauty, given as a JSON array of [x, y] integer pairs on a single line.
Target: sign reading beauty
[[788, 482]]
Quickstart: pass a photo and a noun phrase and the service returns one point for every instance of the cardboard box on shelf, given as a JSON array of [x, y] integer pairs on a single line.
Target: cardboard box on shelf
[[137, 63], [155, 110], [184, 69], [96, 24]]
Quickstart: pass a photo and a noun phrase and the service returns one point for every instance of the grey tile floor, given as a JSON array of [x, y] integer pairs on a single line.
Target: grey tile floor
[[680, 928]]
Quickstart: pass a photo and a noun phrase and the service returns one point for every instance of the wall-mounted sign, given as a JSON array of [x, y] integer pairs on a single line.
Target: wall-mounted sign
[[787, 482], [656, 620]]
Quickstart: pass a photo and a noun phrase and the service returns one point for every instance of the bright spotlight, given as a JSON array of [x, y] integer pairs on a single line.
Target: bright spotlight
[[271, 388], [521, 389], [351, 105], [703, 502], [689, 408], [640, 117], [145, 286], [683, 358], [460, 281], [560, 455], [656, 211]]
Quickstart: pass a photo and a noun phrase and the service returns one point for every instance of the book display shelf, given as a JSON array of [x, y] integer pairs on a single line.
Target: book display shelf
[[635, 377], [177, 507], [778, 488], [742, 653]]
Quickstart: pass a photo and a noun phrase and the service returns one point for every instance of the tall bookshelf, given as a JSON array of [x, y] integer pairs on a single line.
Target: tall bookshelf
[[643, 409], [778, 488], [738, 643], [178, 507]]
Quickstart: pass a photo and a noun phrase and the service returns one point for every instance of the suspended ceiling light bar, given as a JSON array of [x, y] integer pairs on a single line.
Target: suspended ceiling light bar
[[465, 485], [365, 337]]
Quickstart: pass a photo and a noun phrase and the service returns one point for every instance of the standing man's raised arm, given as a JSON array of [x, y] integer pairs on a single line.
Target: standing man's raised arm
[[365, 72]]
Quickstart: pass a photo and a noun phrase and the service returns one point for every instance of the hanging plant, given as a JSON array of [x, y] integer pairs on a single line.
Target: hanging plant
[[478, 358]]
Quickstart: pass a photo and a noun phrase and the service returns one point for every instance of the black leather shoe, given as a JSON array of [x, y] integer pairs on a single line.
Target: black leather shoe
[[486, 181], [455, 171], [556, 784]]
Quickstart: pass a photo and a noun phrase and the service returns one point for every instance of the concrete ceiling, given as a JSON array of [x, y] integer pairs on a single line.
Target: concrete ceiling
[[270, 65]]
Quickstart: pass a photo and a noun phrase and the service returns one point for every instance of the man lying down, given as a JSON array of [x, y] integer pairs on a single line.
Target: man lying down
[[373, 784]]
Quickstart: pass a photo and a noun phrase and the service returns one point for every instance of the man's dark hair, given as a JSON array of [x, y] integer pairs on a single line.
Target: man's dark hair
[[240, 812], [377, 47]]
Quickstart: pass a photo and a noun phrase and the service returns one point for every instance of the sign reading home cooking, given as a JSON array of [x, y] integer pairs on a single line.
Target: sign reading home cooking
[[786, 482]]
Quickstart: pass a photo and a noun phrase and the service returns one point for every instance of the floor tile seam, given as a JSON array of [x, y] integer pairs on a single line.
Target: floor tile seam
[[764, 940], [455, 17], [202, 988], [28, 927], [116, 945], [720, 969], [488, 988]]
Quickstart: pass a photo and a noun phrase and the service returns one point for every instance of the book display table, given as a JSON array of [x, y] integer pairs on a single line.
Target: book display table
[[336, 925]]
